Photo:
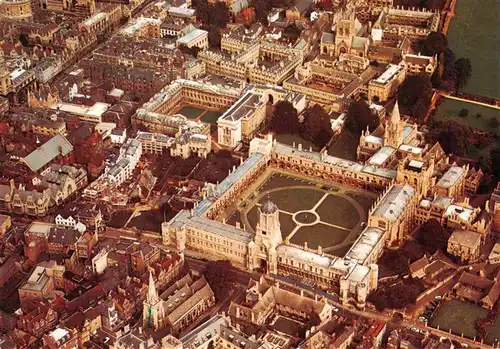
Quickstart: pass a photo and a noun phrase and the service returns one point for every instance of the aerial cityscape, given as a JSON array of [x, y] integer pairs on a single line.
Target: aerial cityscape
[[249, 174]]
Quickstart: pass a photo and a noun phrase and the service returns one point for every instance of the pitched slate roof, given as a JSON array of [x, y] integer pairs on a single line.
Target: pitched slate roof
[[57, 145]]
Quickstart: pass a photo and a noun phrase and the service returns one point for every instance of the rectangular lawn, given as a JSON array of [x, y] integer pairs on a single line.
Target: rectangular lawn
[[190, 112], [459, 316]]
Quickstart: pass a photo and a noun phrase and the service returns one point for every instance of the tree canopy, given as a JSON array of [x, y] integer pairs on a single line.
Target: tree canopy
[[316, 126], [415, 95], [435, 44], [454, 137], [217, 276], [216, 14], [359, 117], [433, 236], [463, 69], [214, 36], [193, 51], [495, 162], [397, 296], [285, 118], [215, 167]]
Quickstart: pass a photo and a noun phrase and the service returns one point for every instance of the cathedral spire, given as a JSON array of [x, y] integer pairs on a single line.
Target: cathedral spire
[[395, 116], [152, 296]]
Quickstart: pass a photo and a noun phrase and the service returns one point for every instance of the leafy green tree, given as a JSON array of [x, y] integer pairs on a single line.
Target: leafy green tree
[[214, 36], [219, 14], [262, 8], [495, 162], [433, 236], [359, 117], [412, 89], [454, 137], [436, 79], [285, 118], [435, 44], [415, 95], [463, 68], [316, 126], [217, 274]]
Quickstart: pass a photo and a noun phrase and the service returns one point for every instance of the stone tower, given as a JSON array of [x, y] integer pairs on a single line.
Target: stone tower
[[153, 311], [269, 228], [393, 133], [268, 234], [344, 33], [417, 173]]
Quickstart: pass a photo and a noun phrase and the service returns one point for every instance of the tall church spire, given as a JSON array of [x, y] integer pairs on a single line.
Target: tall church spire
[[152, 296], [395, 116], [393, 133]]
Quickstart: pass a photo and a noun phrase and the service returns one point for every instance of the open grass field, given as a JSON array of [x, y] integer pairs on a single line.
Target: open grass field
[[449, 109], [473, 33], [459, 316]]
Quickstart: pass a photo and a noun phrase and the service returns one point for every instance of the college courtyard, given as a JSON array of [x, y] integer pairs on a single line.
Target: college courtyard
[[311, 213], [199, 114]]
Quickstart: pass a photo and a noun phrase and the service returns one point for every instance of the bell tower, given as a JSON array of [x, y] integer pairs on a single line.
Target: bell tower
[[153, 311], [268, 234], [344, 33], [269, 228]]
